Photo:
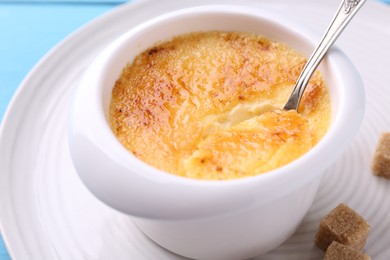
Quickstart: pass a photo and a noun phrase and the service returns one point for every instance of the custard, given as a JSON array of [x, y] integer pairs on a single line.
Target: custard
[[207, 106]]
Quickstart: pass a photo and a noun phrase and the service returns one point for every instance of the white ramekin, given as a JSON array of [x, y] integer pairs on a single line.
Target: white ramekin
[[231, 219]]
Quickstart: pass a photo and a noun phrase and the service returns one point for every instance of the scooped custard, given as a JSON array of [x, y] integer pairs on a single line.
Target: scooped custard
[[208, 106]]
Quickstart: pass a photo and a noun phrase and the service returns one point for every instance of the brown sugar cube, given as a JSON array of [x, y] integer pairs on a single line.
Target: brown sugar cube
[[381, 162], [337, 251], [343, 225]]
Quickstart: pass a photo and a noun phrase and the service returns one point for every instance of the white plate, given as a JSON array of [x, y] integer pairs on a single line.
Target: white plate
[[45, 211]]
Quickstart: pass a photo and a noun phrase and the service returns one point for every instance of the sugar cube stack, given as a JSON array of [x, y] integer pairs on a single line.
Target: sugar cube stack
[[346, 231]]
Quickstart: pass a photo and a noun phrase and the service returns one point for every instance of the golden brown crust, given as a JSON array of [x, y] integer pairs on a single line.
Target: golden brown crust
[[253, 146], [179, 92]]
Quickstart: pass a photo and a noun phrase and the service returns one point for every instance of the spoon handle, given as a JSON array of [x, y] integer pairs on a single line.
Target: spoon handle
[[346, 11]]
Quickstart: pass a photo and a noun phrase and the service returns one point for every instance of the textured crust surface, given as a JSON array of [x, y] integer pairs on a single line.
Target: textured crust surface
[[180, 98], [255, 145]]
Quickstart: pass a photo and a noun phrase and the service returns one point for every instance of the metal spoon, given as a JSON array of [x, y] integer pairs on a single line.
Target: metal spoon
[[346, 11]]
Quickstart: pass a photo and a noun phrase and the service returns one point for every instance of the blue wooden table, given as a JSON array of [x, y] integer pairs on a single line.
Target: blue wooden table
[[30, 28]]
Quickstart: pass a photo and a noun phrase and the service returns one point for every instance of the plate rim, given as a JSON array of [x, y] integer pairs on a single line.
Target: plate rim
[[14, 105]]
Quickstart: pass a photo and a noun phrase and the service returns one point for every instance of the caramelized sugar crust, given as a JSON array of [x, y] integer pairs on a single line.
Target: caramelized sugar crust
[[199, 106]]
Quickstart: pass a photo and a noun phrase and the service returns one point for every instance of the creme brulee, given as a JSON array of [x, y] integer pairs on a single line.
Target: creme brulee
[[207, 106]]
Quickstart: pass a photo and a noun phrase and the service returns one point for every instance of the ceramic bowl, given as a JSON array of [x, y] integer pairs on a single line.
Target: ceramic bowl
[[232, 219]]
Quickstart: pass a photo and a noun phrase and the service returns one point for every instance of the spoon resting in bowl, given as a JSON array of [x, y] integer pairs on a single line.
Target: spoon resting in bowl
[[346, 11]]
